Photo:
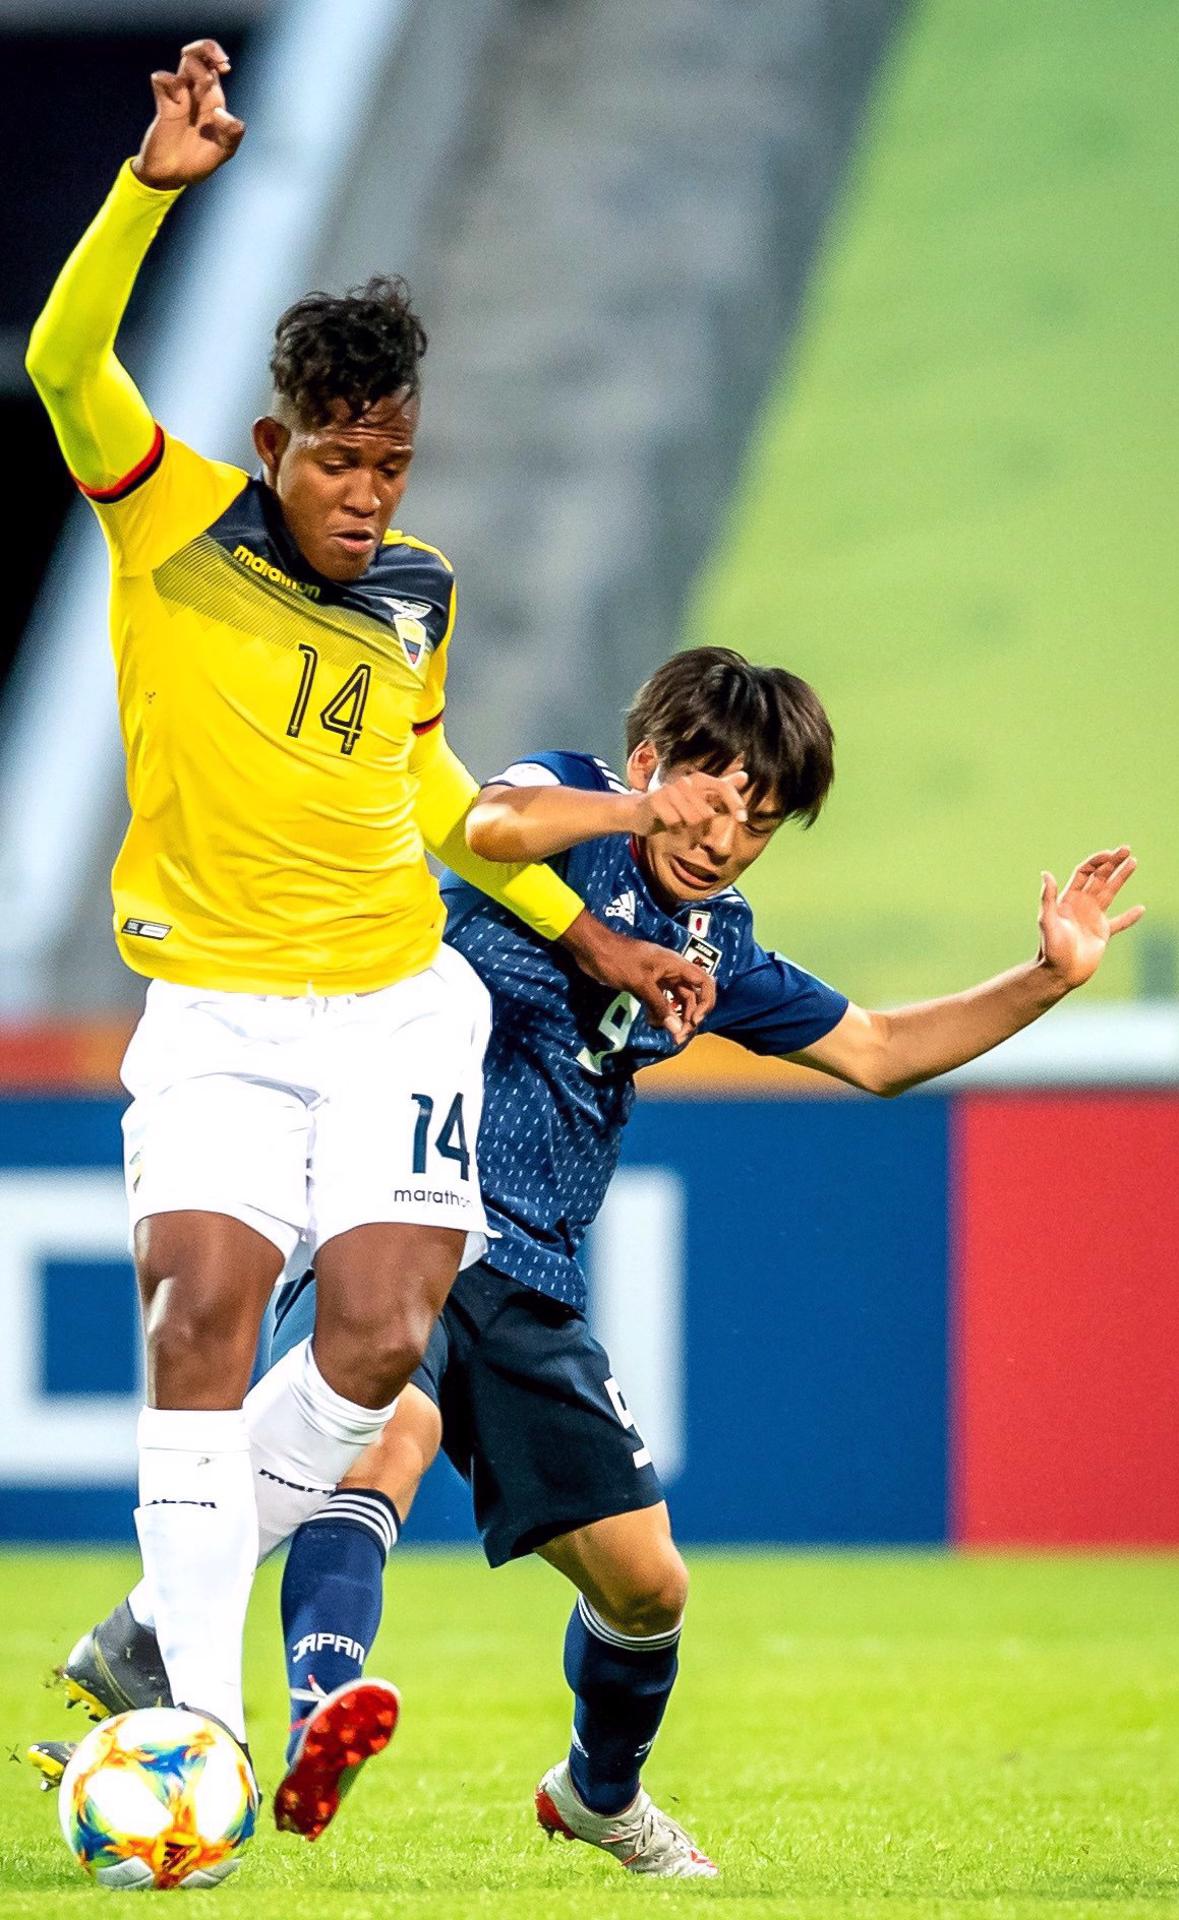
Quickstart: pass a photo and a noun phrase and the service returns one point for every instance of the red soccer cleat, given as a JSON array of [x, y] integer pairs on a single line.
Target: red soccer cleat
[[342, 1731]]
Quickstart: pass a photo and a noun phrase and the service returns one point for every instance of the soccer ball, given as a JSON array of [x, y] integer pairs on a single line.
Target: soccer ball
[[158, 1798]]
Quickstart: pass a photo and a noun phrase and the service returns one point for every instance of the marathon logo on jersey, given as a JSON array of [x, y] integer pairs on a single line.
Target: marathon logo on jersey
[[703, 952], [266, 570], [147, 929], [622, 908]]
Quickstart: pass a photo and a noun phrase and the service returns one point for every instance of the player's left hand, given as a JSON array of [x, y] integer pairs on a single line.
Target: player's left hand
[[1075, 926]]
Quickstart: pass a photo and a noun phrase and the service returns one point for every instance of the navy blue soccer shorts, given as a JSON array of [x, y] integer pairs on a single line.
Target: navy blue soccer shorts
[[531, 1413]]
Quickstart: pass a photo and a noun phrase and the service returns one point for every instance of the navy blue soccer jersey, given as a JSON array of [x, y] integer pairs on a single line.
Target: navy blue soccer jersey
[[564, 1051]]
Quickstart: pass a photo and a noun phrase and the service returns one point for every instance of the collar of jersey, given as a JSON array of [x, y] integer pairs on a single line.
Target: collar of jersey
[[290, 555], [362, 595], [683, 907]]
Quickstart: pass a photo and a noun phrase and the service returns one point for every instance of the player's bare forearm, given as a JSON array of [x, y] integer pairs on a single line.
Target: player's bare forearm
[[676, 992], [533, 823], [887, 1053]]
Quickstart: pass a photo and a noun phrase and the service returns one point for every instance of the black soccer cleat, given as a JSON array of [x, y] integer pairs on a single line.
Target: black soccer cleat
[[51, 1758], [116, 1667]]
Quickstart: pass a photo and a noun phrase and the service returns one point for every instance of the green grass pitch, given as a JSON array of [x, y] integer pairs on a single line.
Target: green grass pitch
[[860, 1735]]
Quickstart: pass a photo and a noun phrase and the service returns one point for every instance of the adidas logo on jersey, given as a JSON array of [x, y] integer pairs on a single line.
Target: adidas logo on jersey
[[609, 775], [623, 908]]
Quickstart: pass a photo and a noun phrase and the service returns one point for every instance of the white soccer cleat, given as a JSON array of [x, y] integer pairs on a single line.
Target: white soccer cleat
[[641, 1838]]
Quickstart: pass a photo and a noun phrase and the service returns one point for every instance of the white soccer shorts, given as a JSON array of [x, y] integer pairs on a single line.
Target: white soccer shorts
[[306, 1116]]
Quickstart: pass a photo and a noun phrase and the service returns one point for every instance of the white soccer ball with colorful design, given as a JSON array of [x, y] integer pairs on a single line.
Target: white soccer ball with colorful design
[[158, 1798]]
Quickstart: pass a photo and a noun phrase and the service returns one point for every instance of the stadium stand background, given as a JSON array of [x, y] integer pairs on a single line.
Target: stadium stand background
[[843, 337], [958, 513]]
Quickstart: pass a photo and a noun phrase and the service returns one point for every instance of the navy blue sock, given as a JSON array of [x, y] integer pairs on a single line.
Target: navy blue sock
[[331, 1595], [621, 1686]]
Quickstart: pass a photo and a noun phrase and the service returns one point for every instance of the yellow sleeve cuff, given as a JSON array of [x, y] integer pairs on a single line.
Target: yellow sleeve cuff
[[128, 186], [446, 794]]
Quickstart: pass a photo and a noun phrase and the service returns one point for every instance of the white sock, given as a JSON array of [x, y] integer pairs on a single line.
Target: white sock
[[303, 1438], [198, 1534], [139, 1601]]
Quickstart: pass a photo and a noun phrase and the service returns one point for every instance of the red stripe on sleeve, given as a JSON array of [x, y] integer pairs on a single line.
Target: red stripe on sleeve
[[138, 474], [427, 726]]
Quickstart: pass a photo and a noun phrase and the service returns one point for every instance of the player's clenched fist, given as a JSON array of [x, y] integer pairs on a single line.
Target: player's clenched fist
[[689, 803], [193, 132]]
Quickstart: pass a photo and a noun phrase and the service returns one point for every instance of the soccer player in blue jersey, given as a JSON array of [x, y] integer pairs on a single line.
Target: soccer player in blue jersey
[[513, 1386]]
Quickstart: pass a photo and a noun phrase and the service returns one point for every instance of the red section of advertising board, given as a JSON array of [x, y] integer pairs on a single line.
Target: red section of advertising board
[[1066, 1320]]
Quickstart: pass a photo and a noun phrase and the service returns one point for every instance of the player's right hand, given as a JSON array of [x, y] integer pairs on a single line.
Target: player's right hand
[[676, 993], [689, 803], [193, 132]]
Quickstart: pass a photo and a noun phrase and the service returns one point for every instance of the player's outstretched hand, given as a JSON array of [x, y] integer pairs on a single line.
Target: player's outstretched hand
[[193, 132], [1075, 926], [676, 993], [689, 803]]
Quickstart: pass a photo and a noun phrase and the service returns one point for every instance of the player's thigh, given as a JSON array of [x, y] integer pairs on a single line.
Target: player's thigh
[[211, 1127], [395, 1133], [628, 1568], [380, 1290], [204, 1280]]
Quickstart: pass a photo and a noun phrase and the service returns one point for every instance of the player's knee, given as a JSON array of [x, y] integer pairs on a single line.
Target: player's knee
[[194, 1335], [655, 1597], [378, 1357]]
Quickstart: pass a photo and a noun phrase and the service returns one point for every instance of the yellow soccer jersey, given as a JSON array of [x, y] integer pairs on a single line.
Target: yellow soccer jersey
[[268, 716]]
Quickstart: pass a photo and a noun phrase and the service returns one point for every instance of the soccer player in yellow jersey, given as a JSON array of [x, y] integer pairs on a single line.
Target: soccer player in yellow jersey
[[308, 1066]]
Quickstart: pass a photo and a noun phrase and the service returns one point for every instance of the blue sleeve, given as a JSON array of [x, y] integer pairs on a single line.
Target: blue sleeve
[[562, 770], [771, 1006]]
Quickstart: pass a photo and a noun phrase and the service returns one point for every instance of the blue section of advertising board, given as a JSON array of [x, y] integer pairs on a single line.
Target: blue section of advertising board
[[771, 1277], [815, 1335]]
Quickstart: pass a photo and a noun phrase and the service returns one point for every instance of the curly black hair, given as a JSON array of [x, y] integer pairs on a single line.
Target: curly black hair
[[360, 347]]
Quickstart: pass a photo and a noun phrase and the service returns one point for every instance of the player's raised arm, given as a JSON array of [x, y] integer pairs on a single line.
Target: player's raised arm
[[533, 823], [886, 1053], [103, 425], [676, 993]]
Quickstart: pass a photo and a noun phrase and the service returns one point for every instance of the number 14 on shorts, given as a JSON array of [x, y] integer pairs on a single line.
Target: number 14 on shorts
[[450, 1140]]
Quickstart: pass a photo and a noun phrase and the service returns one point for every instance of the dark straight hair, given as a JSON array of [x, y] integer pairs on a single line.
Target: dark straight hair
[[711, 706]]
